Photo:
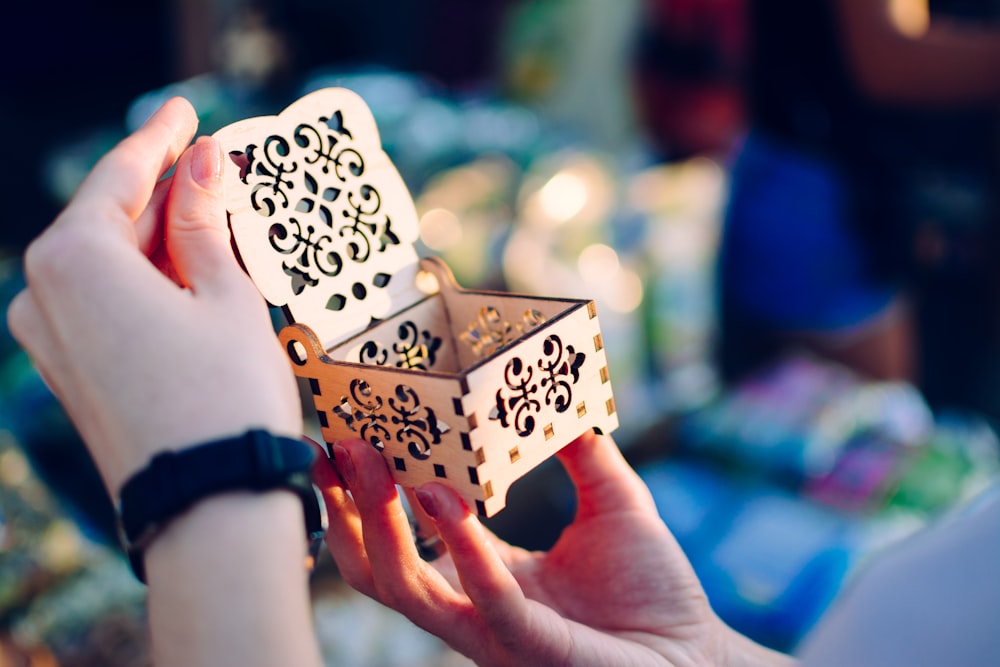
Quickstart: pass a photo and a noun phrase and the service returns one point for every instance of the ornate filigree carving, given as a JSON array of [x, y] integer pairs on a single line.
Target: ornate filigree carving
[[491, 331], [406, 421], [323, 211], [415, 349], [364, 416], [550, 381]]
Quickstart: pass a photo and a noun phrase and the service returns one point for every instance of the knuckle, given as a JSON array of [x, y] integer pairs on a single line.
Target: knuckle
[[52, 256], [396, 594], [18, 318], [126, 161], [358, 581], [390, 596], [352, 579], [191, 219], [71, 247], [197, 217]]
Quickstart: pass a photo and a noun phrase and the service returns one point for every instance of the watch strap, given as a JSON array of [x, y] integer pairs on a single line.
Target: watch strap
[[173, 481]]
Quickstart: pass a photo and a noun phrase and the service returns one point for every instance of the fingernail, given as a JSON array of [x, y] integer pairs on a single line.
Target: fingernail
[[324, 471], [345, 466], [206, 162], [428, 502]]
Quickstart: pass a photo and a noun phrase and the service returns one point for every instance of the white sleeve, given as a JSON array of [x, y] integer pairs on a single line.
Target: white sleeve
[[933, 599]]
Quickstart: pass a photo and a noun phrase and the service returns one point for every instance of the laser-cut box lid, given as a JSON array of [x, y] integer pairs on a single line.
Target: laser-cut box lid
[[321, 217]]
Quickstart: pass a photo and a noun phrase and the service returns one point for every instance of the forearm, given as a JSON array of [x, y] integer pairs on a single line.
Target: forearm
[[949, 64], [227, 585]]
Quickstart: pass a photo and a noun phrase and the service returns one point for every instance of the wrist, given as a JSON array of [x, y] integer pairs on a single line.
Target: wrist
[[248, 526], [176, 481], [120, 458], [227, 577]]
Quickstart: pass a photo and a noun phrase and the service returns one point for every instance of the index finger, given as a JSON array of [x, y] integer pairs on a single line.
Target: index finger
[[122, 181]]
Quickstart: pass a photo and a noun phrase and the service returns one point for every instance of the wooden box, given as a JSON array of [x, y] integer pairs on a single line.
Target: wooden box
[[471, 388]]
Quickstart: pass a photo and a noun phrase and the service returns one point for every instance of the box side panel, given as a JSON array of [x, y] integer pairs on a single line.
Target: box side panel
[[417, 338], [415, 419], [537, 396], [484, 322]]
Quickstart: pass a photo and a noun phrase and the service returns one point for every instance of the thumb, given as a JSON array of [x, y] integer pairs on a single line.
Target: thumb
[[197, 236], [604, 481]]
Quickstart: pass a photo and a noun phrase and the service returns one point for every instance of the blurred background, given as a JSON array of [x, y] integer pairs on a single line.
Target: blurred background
[[785, 212]]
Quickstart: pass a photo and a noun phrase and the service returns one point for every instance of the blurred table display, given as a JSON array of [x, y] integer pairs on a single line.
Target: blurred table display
[[795, 416], [784, 484]]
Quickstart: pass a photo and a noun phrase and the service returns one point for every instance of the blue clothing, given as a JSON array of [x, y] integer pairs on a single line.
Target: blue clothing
[[790, 257]]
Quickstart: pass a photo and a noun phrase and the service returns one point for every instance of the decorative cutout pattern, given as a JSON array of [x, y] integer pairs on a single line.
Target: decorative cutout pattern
[[406, 421], [521, 399], [323, 223], [330, 212], [491, 331], [364, 416], [415, 349]]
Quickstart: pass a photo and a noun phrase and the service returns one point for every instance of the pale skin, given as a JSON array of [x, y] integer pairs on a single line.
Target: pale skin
[[142, 322], [614, 590]]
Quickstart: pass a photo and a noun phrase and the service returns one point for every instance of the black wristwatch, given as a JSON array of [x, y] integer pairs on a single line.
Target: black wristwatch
[[176, 480]]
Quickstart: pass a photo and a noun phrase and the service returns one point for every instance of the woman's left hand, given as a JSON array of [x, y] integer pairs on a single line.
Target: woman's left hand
[[137, 313]]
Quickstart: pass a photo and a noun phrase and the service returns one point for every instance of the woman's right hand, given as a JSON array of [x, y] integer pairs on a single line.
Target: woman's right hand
[[616, 589]]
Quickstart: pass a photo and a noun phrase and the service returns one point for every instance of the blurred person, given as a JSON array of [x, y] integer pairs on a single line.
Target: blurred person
[[688, 55], [141, 320], [858, 111]]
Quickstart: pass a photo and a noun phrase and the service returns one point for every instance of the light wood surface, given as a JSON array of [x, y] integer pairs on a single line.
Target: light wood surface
[[471, 388]]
